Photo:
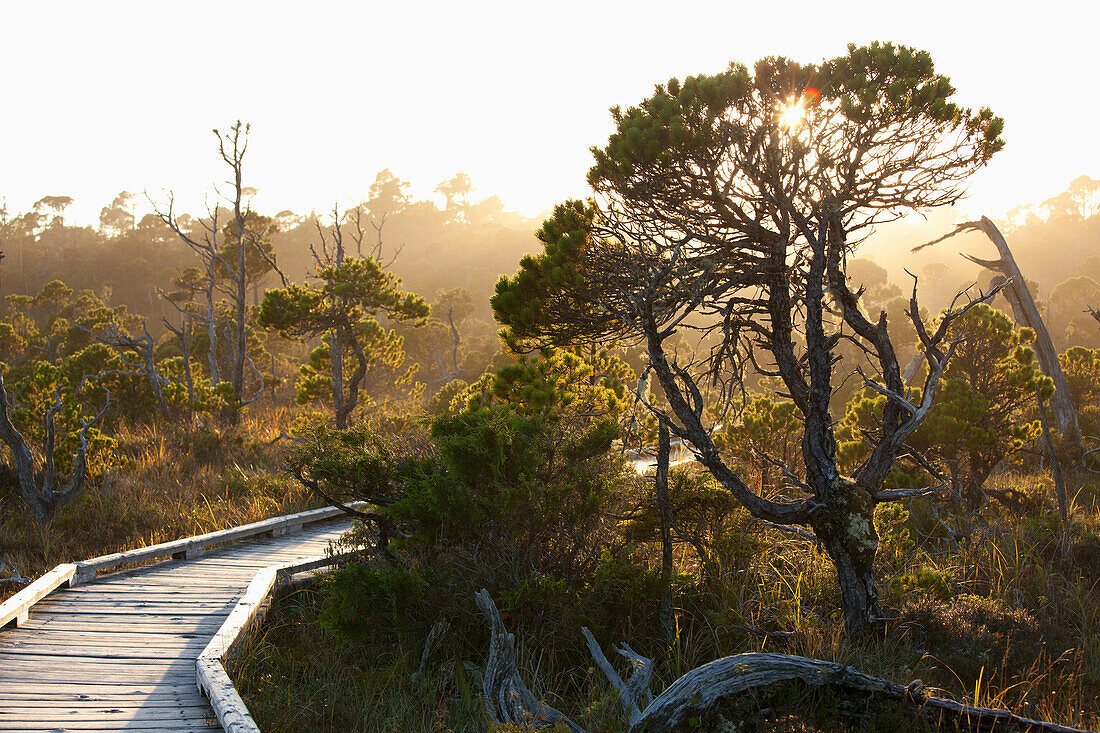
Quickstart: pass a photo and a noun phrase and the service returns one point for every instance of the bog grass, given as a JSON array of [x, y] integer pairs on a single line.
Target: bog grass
[[1008, 618], [166, 482]]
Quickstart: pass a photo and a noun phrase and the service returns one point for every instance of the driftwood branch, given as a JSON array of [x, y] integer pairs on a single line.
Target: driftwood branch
[[752, 691], [435, 636], [634, 694], [14, 577], [506, 697], [751, 687]]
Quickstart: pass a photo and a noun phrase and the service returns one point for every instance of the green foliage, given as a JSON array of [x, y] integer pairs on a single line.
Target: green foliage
[[352, 464], [1081, 367], [520, 302], [506, 496], [873, 88], [39, 389], [924, 581], [584, 382], [207, 399], [443, 402], [891, 525], [259, 251], [348, 293], [705, 517], [345, 308], [982, 411], [363, 602], [622, 583], [766, 425], [515, 476]]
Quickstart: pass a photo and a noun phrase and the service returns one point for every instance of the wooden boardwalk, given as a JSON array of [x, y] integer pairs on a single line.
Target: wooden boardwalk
[[119, 653]]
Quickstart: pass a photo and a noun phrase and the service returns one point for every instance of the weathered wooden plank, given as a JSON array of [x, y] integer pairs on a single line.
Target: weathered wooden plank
[[14, 707], [183, 581], [183, 688], [230, 709], [79, 715], [243, 614], [114, 651], [38, 667], [52, 605], [28, 679], [44, 665], [140, 605], [132, 624], [85, 726], [144, 629], [109, 614], [196, 624], [102, 637], [151, 592]]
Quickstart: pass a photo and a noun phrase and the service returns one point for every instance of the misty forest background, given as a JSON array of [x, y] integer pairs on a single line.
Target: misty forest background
[[992, 607]]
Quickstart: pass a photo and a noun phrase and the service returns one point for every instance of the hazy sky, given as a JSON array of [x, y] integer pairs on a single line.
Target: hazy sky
[[106, 96]]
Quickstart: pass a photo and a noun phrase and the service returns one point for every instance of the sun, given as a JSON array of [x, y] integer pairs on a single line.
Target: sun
[[792, 115]]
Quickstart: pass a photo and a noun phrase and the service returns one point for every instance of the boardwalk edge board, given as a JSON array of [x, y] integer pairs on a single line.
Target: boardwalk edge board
[[213, 681], [16, 609], [191, 547]]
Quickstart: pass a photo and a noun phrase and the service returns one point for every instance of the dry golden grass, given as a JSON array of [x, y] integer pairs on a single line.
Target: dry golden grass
[[1006, 620], [169, 482]]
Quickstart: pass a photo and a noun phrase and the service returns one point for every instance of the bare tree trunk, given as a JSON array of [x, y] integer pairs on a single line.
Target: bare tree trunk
[[241, 283], [846, 530], [1056, 469], [145, 349], [212, 335], [664, 506], [336, 351], [189, 378], [336, 359]]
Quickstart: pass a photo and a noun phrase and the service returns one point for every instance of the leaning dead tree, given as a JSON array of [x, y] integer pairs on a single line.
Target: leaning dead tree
[[1027, 314], [726, 208], [40, 489], [745, 692]]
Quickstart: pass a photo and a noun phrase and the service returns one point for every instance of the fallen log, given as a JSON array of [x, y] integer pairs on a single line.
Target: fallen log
[[765, 692], [762, 692]]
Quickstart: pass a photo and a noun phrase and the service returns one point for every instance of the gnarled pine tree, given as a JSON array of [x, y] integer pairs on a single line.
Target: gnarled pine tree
[[728, 205]]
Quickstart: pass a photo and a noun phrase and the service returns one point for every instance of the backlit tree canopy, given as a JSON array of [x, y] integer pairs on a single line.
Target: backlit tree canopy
[[728, 204]]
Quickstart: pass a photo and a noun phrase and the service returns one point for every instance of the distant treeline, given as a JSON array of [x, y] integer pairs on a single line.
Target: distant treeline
[[467, 243]]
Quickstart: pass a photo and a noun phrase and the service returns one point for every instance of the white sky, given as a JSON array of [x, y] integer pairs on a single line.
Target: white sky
[[106, 96]]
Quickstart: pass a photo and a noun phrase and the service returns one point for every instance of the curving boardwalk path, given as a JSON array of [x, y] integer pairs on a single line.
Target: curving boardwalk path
[[119, 653]]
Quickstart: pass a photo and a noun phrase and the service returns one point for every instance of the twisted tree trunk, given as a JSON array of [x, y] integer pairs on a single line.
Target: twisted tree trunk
[[38, 489]]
